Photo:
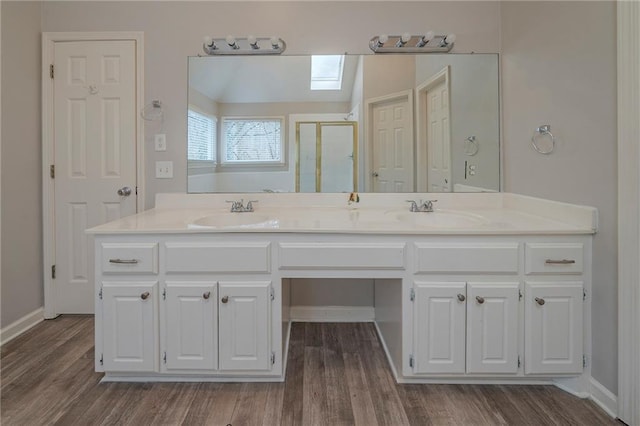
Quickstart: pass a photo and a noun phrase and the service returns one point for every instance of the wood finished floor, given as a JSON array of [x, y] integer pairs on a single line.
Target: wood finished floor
[[337, 375]]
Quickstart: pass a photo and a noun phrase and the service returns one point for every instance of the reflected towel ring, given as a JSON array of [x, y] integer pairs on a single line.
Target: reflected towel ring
[[471, 146], [543, 131]]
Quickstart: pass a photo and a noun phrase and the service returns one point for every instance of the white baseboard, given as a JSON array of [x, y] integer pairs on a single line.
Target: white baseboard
[[23, 324], [604, 398], [332, 313]]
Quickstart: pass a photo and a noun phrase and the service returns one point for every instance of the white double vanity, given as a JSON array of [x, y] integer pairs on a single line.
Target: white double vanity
[[487, 288]]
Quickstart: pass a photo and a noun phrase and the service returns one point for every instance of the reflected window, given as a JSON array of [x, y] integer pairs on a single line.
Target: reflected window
[[201, 130], [252, 140], [326, 72]]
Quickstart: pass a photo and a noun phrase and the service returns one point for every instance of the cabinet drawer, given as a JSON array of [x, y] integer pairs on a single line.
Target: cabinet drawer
[[218, 257], [129, 258], [553, 258], [501, 258], [341, 256]]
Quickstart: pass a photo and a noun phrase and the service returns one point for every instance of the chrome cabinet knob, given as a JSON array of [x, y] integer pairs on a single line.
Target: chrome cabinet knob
[[225, 299], [125, 191], [145, 295], [539, 301], [375, 174], [206, 295], [480, 299], [461, 297]]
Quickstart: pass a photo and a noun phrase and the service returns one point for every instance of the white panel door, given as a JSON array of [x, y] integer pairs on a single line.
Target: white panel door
[[130, 326], [438, 139], [553, 327], [392, 144], [492, 327], [95, 155], [190, 319], [245, 325], [439, 327]]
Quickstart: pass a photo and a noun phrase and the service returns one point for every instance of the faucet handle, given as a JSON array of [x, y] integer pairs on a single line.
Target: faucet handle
[[428, 205], [414, 206], [249, 207]]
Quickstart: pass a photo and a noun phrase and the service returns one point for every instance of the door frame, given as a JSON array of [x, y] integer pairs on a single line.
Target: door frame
[[422, 150], [367, 151], [628, 37], [48, 194]]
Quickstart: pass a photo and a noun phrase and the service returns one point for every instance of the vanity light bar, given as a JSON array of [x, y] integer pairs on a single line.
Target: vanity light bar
[[250, 45], [407, 43]]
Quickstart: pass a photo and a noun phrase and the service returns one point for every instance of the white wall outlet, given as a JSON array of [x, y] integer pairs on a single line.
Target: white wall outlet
[[164, 169], [161, 142]]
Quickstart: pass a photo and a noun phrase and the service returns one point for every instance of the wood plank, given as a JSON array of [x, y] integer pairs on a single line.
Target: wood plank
[[339, 407], [314, 390]]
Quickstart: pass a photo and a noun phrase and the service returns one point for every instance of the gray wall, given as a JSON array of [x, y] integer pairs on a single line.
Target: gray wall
[[558, 68], [21, 290]]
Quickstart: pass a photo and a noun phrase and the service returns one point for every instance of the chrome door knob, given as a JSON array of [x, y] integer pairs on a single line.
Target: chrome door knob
[[125, 191]]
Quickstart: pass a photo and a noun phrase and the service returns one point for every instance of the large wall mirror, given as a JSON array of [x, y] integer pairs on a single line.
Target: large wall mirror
[[339, 123]]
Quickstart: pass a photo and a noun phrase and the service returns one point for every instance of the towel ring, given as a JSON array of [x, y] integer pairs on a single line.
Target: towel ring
[[471, 146], [543, 131]]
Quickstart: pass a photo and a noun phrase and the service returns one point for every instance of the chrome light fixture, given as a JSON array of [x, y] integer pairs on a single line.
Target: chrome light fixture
[[243, 46], [407, 43]]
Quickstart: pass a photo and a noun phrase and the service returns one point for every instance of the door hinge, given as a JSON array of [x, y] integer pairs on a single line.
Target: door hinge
[[519, 295], [136, 190], [164, 357], [584, 361], [100, 293], [53, 272], [519, 363], [411, 361], [412, 295], [52, 171], [101, 359], [164, 294], [584, 294], [273, 358], [51, 70], [272, 294]]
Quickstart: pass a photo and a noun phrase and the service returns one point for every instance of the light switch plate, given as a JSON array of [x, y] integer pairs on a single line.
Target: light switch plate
[[164, 169], [161, 142]]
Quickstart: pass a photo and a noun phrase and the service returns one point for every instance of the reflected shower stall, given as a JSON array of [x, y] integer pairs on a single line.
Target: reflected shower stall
[[326, 156]]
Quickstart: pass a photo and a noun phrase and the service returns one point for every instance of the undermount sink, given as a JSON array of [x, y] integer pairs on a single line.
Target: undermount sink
[[234, 220], [440, 219]]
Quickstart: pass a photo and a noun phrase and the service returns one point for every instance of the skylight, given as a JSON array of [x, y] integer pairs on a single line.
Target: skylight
[[326, 72]]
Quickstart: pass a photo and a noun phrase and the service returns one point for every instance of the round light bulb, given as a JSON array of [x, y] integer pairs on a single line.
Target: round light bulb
[[383, 38], [208, 41], [251, 39], [428, 36], [451, 38], [231, 40], [405, 37], [275, 42]]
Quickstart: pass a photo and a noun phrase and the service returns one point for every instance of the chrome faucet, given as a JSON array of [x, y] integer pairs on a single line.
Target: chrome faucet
[[422, 207], [239, 207]]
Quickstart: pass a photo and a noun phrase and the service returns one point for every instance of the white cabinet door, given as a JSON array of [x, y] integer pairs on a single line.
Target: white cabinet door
[[553, 327], [439, 327], [492, 327], [245, 325], [190, 323], [130, 326]]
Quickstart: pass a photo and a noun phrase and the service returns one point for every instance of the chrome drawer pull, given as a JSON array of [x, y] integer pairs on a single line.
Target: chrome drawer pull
[[124, 261], [144, 295], [539, 301], [559, 262]]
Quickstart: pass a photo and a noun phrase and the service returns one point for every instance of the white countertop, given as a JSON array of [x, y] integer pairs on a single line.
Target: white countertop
[[455, 214]]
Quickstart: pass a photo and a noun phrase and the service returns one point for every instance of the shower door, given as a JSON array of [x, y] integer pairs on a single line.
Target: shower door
[[326, 156]]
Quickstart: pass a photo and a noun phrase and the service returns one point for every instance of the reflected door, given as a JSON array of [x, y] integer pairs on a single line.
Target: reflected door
[[326, 156], [392, 143], [438, 138], [95, 156]]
